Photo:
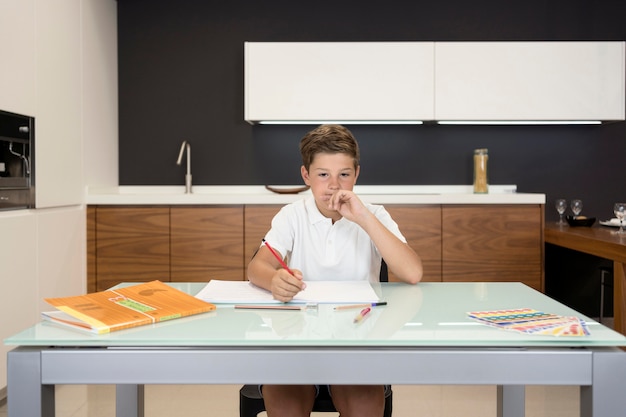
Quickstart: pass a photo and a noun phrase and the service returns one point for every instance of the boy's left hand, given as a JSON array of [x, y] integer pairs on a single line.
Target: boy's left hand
[[348, 204]]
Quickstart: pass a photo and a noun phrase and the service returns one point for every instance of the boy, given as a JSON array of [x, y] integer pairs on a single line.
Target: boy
[[332, 235]]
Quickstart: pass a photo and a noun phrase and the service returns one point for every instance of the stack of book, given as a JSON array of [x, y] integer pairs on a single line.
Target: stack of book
[[123, 308], [530, 321]]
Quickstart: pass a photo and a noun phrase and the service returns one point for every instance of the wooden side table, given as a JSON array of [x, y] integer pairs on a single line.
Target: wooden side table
[[603, 242]]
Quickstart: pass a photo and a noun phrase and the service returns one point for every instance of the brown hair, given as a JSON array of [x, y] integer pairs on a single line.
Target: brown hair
[[328, 139]]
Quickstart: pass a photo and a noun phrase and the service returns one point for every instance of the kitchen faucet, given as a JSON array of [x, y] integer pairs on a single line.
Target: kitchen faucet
[[186, 145]]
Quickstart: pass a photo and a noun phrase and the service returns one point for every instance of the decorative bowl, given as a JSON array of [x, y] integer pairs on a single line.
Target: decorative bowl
[[281, 189], [580, 221]]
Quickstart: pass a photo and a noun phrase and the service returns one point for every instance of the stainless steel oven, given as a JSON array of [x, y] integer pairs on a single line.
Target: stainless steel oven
[[17, 168]]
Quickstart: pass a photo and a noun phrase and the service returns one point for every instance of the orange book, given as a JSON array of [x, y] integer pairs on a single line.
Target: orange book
[[122, 308]]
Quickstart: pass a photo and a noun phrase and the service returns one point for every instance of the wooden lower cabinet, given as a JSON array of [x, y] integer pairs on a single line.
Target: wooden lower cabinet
[[180, 244], [457, 243], [421, 226], [91, 249], [493, 243], [132, 245], [206, 243], [257, 220]]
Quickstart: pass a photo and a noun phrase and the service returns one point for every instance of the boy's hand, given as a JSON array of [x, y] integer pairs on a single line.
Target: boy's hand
[[348, 205], [285, 286]]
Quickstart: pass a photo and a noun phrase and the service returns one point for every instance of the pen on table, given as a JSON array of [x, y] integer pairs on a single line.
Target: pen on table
[[362, 314], [351, 306], [282, 263]]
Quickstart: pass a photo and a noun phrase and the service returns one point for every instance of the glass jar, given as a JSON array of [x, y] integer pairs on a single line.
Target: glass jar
[[481, 182]]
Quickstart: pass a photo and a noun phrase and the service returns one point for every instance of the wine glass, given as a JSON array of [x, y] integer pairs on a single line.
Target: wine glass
[[620, 212], [561, 206], [577, 207]]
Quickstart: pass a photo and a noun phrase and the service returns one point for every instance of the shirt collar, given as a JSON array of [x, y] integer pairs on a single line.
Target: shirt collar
[[314, 214]]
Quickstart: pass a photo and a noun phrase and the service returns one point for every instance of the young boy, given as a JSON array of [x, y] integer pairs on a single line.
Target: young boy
[[332, 235]]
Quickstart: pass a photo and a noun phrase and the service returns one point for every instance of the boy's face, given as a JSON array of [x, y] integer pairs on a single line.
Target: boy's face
[[327, 174]]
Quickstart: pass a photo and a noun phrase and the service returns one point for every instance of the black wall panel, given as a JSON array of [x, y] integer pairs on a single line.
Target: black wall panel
[[181, 78]]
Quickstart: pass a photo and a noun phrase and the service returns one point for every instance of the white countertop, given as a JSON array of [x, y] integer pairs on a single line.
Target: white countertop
[[257, 194]]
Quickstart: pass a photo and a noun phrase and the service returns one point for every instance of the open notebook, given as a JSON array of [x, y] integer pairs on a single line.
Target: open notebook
[[241, 292]]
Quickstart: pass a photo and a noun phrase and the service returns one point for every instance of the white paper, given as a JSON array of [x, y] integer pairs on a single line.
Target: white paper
[[241, 292]]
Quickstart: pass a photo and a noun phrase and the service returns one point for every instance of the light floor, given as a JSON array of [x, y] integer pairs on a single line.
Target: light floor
[[223, 401]]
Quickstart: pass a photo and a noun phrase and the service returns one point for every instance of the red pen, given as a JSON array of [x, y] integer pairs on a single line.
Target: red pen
[[362, 314], [282, 263]]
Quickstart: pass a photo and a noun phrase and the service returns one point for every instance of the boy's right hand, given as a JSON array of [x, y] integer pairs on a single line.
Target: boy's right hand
[[285, 286]]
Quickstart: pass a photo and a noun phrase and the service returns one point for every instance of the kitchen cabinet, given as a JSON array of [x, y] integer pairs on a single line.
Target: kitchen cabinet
[[42, 78], [178, 244], [421, 226], [19, 295], [462, 243], [403, 81], [529, 80], [90, 222], [457, 243], [40, 258], [60, 238], [132, 245], [258, 220], [58, 119], [19, 66], [299, 81], [493, 243], [60, 67], [206, 242]]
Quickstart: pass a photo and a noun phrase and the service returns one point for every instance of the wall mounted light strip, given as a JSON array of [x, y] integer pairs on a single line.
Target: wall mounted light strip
[[519, 122], [441, 122], [341, 122]]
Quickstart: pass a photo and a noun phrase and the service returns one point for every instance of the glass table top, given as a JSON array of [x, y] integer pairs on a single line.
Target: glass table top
[[422, 315]]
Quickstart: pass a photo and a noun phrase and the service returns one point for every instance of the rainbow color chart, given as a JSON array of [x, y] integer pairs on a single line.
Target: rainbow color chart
[[530, 321]]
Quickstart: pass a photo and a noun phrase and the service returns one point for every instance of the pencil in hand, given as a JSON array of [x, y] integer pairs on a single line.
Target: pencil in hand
[[282, 263]]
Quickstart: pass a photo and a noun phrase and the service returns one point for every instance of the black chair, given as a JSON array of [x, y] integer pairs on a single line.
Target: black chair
[[251, 402]]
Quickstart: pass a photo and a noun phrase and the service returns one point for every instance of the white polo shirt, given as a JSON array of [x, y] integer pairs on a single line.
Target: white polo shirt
[[324, 251]]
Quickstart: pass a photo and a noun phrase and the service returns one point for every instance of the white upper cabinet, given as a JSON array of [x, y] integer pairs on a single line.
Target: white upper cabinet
[[339, 81], [529, 81], [58, 123], [59, 65], [18, 65], [408, 81]]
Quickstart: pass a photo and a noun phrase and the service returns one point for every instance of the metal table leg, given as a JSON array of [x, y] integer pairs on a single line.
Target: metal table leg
[[129, 400], [605, 397], [511, 400], [27, 396]]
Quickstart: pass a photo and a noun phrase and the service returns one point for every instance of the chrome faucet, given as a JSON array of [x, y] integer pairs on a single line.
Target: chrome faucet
[[186, 145]]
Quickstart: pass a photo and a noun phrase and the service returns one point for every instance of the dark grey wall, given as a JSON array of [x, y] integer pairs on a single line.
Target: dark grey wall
[[181, 77]]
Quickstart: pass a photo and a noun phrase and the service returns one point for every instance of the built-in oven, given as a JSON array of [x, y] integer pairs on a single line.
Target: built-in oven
[[17, 168]]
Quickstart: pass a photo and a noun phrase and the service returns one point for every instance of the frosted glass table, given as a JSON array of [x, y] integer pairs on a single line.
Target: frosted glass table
[[421, 337]]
